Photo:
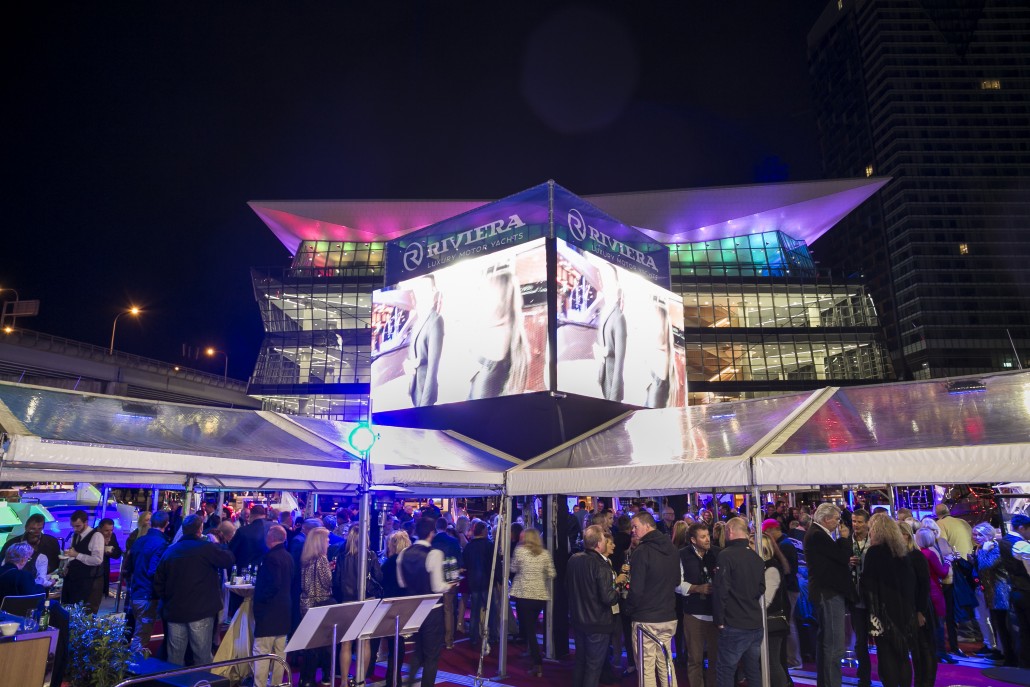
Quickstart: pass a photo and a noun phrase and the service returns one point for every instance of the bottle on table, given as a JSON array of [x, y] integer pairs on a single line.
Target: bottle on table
[[44, 618]]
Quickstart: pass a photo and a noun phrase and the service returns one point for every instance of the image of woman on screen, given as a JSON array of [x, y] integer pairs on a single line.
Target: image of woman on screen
[[500, 346], [423, 361], [663, 368]]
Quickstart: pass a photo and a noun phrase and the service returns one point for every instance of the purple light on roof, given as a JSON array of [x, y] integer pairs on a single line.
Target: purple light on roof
[[803, 210]]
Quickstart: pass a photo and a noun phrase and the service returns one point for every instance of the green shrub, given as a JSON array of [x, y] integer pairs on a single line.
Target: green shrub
[[98, 651]]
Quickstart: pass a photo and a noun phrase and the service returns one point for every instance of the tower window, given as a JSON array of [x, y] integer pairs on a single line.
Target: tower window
[[963, 249], [869, 170], [990, 85]]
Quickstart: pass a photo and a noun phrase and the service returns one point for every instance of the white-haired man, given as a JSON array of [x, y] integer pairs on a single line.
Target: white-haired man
[[828, 551]]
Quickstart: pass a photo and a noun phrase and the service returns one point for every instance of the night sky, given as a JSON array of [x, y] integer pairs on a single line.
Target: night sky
[[137, 132]]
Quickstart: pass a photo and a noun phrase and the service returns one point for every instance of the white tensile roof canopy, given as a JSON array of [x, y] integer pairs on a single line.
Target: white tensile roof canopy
[[962, 430]]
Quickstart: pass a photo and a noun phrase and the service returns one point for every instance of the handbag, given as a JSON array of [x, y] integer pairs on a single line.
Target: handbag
[[777, 624]]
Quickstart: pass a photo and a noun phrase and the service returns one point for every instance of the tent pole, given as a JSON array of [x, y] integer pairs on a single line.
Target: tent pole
[[504, 600], [892, 499], [102, 506], [220, 504], [552, 530], [363, 531], [756, 503], [155, 500]]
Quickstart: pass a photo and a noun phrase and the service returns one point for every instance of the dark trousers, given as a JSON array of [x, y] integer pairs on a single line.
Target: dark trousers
[[528, 611], [892, 664], [313, 659], [737, 646], [778, 660], [390, 661], [477, 602], [1003, 635], [591, 651], [829, 649], [428, 646], [924, 654], [628, 640], [1020, 607], [949, 617], [860, 624]]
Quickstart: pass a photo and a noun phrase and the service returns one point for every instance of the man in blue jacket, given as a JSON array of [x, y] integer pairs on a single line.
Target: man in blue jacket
[[272, 619], [140, 568], [188, 583]]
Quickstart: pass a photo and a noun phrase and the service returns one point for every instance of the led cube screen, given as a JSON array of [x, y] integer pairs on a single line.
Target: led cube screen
[[620, 336], [476, 328]]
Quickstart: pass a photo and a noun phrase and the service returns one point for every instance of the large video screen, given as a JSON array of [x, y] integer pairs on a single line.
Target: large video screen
[[474, 329], [620, 336]]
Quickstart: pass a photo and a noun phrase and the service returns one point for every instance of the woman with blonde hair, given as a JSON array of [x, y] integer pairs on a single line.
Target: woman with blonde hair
[[316, 589], [777, 609], [679, 534], [531, 589], [501, 347], [888, 584], [924, 653], [346, 581], [397, 542]]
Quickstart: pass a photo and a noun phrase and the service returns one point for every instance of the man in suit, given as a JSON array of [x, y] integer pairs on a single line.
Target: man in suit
[[610, 349], [698, 565], [828, 551], [272, 614], [423, 361], [112, 550], [188, 583]]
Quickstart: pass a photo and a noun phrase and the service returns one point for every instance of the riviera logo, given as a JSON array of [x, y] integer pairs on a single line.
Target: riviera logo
[[413, 255], [577, 225]]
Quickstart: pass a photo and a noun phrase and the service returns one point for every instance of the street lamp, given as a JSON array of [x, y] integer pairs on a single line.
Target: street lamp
[[362, 438], [134, 311], [212, 352]]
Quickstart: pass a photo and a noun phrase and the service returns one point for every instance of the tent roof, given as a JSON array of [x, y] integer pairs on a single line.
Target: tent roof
[[421, 459], [55, 431], [58, 435], [671, 450], [904, 433], [910, 432]]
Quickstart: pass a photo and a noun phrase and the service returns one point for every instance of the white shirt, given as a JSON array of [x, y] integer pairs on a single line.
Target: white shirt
[[42, 577], [685, 588], [434, 566], [96, 549]]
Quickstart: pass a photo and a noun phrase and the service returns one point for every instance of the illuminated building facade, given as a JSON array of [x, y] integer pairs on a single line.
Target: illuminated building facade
[[760, 317]]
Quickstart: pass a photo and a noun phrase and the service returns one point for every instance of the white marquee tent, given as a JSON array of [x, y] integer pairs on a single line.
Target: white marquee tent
[[960, 430]]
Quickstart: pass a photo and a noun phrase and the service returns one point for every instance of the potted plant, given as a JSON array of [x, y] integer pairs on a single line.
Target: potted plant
[[98, 651]]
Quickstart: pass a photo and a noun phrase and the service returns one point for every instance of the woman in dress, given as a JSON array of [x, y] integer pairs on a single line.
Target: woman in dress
[[531, 590], [946, 552], [500, 346], [663, 368], [316, 589], [888, 586]]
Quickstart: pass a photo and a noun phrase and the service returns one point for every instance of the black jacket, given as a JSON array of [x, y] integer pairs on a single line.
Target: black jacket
[[828, 561], [188, 580], [476, 559], [654, 575], [591, 585], [738, 587], [248, 544], [790, 579], [449, 545], [272, 599], [888, 587]]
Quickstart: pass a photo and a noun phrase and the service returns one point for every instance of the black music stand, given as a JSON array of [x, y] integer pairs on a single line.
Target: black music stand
[[330, 625], [394, 617]]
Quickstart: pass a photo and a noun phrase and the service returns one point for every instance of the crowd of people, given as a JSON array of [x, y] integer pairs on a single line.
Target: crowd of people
[[697, 586]]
